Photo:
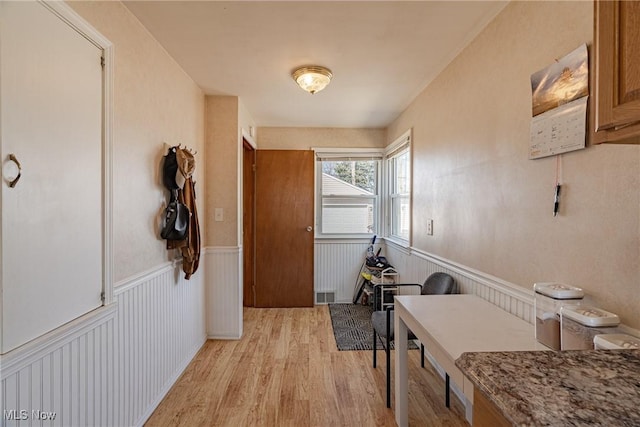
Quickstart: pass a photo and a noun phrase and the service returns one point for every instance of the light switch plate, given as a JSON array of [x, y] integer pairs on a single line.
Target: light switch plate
[[430, 227], [218, 214]]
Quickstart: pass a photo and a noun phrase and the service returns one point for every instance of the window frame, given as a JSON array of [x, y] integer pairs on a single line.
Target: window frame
[[402, 145], [349, 154]]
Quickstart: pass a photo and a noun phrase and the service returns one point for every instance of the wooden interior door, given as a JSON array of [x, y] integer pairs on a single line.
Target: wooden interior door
[[284, 228], [248, 224]]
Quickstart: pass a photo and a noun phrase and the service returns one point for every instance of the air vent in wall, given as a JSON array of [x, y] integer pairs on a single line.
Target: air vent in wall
[[325, 297]]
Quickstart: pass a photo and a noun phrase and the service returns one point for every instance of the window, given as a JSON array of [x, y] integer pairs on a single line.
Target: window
[[348, 193], [398, 171]]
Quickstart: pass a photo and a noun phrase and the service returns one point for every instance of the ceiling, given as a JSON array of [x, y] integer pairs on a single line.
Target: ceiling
[[382, 53]]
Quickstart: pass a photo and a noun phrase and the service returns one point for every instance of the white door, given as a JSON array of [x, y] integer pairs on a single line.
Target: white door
[[51, 121]]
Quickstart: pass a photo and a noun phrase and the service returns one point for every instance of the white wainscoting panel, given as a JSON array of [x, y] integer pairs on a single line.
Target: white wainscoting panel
[[337, 265], [160, 328], [224, 294], [115, 371], [70, 382]]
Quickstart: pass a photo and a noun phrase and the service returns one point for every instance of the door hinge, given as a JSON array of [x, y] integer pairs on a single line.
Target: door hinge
[[102, 296], [102, 62], [253, 167]]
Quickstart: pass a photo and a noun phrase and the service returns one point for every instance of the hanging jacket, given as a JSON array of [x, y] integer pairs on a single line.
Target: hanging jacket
[[191, 251]]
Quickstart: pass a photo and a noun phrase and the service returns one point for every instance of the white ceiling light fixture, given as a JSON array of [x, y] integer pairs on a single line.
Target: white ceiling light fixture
[[312, 78]]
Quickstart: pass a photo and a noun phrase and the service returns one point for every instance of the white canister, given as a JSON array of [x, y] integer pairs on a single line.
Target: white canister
[[550, 297]]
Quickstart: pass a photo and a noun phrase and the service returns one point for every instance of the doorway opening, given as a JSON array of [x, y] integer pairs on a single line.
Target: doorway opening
[[248, 223]]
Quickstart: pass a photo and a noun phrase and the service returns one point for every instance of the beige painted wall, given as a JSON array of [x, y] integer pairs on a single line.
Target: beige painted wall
[[279, 138], [491, 206], [222, 169], [154, 101]]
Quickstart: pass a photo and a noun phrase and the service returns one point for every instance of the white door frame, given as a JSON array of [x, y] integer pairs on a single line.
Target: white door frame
[[40, 346], [75, 21]]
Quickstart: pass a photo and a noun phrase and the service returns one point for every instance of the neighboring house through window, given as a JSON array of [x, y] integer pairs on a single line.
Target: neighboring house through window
[[348, 193]]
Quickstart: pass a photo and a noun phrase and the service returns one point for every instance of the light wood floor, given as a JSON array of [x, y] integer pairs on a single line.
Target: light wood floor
[[286, 371]]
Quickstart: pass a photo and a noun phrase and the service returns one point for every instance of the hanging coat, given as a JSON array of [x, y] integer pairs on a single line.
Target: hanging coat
[[180, 163], [191, 251]]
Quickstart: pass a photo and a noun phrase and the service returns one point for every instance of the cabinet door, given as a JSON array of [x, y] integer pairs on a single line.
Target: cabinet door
[[485, 412], [617, 63], [51, 117]]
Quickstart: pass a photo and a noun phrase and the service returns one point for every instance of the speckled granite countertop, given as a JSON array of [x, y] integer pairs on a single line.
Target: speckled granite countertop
[[565, 388]]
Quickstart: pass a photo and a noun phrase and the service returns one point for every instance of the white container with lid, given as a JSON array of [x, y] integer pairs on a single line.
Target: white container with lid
[[580, 324], [550, 297], [616, 342], [590, 316], [558, 290]]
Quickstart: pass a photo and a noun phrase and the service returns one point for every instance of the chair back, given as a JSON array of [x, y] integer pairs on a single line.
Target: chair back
[[439, 284]]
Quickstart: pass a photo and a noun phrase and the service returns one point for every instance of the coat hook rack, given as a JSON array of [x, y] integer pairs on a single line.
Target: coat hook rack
[[181, 147]]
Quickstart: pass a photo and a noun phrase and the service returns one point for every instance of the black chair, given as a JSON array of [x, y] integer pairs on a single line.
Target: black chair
[[383, 325]]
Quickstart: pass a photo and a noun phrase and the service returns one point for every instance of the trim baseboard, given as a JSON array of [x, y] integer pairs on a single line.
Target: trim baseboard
[[224, 337]]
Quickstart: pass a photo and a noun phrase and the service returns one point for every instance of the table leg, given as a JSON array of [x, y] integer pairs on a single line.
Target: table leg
[[401, 370], [447, 390]]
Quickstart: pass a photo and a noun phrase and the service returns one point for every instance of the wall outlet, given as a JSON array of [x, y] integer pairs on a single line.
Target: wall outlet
[[430, 227]]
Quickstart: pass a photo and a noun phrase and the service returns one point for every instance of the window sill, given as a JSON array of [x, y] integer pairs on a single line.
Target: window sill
[[399, 243]]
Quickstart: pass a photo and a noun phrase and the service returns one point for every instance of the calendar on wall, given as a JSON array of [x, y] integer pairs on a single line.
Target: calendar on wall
[[559, 105]]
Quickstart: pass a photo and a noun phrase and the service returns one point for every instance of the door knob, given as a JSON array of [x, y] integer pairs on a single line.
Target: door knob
[[309, 228]]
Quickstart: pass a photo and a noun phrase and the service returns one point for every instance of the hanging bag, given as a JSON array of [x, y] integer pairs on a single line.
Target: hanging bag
[[169, 169], [176, 219]]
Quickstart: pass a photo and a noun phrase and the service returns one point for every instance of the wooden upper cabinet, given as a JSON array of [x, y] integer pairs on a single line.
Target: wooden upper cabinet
[[617, 71]]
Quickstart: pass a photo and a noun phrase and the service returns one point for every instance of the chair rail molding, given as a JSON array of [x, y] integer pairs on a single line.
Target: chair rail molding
[[508, 288], [415, 265], [35, 350]]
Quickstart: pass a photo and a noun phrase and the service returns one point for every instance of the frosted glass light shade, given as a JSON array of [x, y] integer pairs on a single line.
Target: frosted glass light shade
[[313, 78]]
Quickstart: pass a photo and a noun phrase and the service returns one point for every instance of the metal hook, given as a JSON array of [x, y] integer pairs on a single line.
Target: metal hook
[[13, 158]]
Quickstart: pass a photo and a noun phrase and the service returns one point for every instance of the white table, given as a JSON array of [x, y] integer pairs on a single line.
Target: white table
[[449, 325]]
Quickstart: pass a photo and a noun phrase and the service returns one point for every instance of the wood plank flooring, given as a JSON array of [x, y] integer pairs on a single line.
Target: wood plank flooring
[[286, 371]]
